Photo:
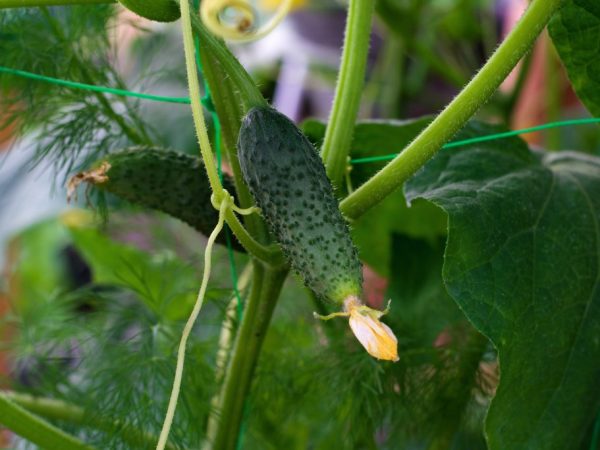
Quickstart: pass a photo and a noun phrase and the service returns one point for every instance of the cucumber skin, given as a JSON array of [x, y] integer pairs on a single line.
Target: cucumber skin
[[169, 181], [157, 10], [287, 179]]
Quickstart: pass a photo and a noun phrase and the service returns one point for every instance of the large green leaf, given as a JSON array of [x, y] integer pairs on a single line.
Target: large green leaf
[[522, 261], [575, 31], [373, 231]]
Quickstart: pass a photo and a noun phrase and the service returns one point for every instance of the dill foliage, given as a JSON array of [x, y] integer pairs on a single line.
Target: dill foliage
[[108, 346], [74, 43]]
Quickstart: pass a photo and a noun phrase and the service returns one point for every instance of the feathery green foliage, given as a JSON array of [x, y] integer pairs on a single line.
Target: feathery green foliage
[[71, 126]]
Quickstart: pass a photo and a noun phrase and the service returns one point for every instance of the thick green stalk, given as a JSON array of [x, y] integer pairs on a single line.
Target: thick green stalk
[[231, 100], [38, 3], [336, 144], [35, 429], [59, 410], [271, 255], [266, 286], [456, 114]]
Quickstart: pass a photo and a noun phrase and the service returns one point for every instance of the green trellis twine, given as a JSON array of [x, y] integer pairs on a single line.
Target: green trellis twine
[[208, 104]]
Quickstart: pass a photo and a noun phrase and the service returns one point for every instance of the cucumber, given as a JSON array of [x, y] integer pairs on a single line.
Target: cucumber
[[157, 10], [168, 181], [287, 179]]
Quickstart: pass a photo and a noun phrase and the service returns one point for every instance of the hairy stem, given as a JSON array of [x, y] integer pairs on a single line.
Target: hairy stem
[[456, 114], [35, 429], [270, 255], [38, 3], [338, 135], [197, 113], [266, 286], [227, 98]]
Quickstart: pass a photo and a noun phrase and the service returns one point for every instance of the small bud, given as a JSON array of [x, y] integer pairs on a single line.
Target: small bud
[[375, 336]]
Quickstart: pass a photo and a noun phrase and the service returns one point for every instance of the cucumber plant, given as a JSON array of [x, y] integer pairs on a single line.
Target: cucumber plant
[[513, 291]]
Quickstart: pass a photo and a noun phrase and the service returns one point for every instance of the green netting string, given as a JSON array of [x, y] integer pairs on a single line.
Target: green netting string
[[489, 137], [207, 102], [93, 88]]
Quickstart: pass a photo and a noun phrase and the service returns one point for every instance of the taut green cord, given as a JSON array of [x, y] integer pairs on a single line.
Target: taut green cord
[[369, 159], [93, 88], [489, 137]]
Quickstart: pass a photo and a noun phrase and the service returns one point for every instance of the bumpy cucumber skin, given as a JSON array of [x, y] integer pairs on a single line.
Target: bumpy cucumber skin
[[169, 181], [157, 10], [287, 179]]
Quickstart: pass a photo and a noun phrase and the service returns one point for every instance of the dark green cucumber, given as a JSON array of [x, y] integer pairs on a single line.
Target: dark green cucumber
[[287, 179], [168, 181], [157, 10]]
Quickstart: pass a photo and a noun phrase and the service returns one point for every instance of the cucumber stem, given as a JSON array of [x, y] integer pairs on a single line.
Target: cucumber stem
[[197, 112], [456, 114], [233, 92], [271, 255], [35, 429], [189, 325], [338, 136], [266, 286], [60, 410]]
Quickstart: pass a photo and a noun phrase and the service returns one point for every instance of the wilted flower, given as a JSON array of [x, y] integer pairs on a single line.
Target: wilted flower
[[375, 336]]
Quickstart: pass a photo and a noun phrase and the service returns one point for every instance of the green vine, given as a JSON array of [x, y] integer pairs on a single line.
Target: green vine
[[35, 429], [266, 286], [456, 114], [336, 144], [59, 410], [271, 254]]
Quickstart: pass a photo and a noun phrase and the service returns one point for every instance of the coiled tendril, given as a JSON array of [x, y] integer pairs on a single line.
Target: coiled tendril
[[236, 19]]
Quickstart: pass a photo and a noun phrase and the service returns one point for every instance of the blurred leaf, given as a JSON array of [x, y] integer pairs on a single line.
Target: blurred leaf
[[167, 285], [425, 314], [37, 273], [372, 232], [416, 288], [574, 31], [522, 261]]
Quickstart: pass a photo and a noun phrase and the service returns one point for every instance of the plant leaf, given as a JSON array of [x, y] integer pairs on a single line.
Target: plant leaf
[[574, 31], [522, 261]]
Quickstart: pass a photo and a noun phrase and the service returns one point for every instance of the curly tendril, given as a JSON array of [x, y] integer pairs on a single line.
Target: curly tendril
[[235, 20]]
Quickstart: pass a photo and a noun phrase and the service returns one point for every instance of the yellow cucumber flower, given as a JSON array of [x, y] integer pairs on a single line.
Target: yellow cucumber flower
[[375, 336]]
